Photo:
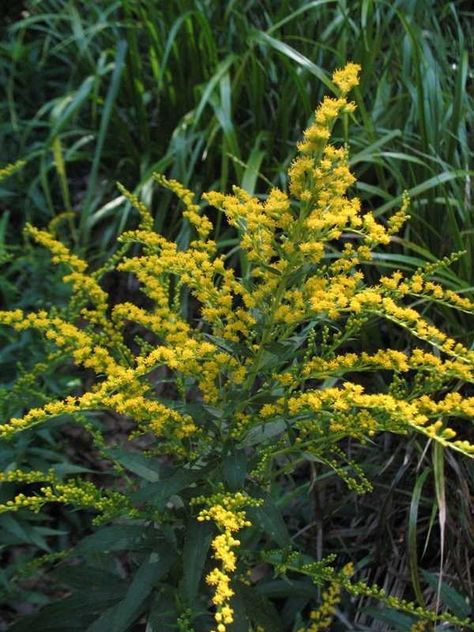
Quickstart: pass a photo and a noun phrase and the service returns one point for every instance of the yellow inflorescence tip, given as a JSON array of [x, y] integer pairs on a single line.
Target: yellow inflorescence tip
[[347, 78]]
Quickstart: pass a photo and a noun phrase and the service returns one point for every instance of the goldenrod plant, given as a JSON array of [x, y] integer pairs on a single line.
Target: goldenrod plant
[[230, 377]]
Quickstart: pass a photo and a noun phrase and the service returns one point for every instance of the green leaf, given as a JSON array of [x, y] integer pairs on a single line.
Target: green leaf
[[195, 551], [449, 596], [397, 620], [139, 464], [259, 610], [104, 124], [262, 432], [241, 622], [211, 84], [252, 166], [307, 6], [120, 617], [412, 535], [429, 184], [367, 152], [113, 538], [73, 613], [440, 489], [293, 54], [162, 616], [81, 575], [235, 469], [158, 493], [283, 588], [66, 107], [24, 533], [269, 518]]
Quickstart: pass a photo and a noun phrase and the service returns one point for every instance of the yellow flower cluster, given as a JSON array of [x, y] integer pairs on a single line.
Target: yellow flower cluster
[[146, 218], [198, 269], [410, 319], [322, 618], [243, 352], [122, 390], [191, 210], [33, 476], [347, 78], [353, 412], [258, 222], [390, 360], [88, 297], [81, 494], [290, 282], [82, 345], [279, 241], [60, 253], [419, 285], [317, 135], [228, 516]]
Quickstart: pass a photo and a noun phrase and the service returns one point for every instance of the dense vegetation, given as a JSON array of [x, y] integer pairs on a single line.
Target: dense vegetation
[[216, 94]]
